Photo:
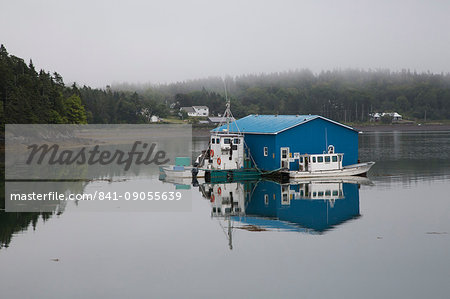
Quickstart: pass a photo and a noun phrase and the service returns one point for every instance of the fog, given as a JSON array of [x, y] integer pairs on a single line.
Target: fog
[[97, 42]]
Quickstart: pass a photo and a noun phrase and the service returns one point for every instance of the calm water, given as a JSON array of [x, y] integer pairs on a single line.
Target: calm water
[[386, 238]]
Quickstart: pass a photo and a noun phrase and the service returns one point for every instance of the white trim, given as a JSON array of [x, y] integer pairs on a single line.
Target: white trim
[[313, 118]]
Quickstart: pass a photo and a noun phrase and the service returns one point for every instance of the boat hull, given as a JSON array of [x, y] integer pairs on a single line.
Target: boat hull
[[359, 169], [185, 172]]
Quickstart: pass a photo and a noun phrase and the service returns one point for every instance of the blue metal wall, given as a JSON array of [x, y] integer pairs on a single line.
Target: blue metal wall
[[311, 137], [256, 143]]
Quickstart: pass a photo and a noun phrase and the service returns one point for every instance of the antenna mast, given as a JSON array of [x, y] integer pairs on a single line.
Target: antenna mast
[[227, 113]]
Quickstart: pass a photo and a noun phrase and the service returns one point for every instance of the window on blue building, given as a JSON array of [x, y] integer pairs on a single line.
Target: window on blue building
[[266, 151]]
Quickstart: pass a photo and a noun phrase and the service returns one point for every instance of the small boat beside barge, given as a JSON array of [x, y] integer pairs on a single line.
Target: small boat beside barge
[[181, 170], [327, 165]]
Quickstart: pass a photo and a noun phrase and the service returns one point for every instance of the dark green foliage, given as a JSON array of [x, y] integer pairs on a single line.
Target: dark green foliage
[[106, 106], [30, 97], [74, 110]]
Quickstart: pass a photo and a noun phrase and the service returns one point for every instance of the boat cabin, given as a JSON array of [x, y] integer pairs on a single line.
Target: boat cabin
[[226, 151], [319, 162]]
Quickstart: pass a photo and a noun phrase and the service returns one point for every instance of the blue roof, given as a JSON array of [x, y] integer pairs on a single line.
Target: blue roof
[[270, 124]]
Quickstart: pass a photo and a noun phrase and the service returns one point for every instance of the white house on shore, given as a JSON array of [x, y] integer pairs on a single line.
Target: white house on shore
[[154, 119], [196, 111], [377, 116]]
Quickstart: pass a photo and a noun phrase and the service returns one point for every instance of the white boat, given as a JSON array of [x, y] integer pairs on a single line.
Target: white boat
[[327, 165], [360, 180], [173, 171]]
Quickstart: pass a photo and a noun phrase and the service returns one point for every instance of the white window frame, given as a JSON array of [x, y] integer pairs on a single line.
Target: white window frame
[[266, 151]]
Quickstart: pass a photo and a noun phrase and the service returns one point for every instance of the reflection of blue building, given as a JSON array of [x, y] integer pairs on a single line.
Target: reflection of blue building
[[311, 205]]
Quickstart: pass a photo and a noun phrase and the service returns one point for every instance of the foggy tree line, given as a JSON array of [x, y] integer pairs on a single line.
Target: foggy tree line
[[347, 96], [29, 96]]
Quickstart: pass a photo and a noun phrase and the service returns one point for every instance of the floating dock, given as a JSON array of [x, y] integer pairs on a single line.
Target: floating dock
[[231, 175]]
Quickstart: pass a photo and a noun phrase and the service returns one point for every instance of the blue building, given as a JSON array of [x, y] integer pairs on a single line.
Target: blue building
[[274, 141]]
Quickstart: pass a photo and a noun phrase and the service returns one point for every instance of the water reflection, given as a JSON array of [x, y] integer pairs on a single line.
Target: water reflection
[[406, 156], [13, 223], [308, 206]]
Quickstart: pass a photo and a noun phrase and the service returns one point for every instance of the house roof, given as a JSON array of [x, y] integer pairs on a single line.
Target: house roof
[[188, 109], [271, 124], [200, 107], [393, 114]]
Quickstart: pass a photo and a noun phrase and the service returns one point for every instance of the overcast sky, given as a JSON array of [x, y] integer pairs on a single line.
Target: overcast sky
[[97, 42]]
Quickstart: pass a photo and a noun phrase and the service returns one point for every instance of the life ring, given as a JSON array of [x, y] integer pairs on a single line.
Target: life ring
[[212, 197], [219, 191], [219, 161], [211, 153]]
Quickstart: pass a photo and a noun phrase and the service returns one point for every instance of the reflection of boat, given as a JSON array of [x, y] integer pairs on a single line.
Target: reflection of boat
[[306, 205], [179, 181], [180, 170], [227, 199], [327, 165]]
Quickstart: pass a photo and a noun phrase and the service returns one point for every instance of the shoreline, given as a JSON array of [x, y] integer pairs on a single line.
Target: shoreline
[[402, 127]]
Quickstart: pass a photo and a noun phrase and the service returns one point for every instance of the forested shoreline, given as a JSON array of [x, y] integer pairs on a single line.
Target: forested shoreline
[[29, 96]]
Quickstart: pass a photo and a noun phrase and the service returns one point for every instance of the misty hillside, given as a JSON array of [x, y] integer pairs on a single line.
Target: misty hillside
[[348, 95], [31, 96]]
